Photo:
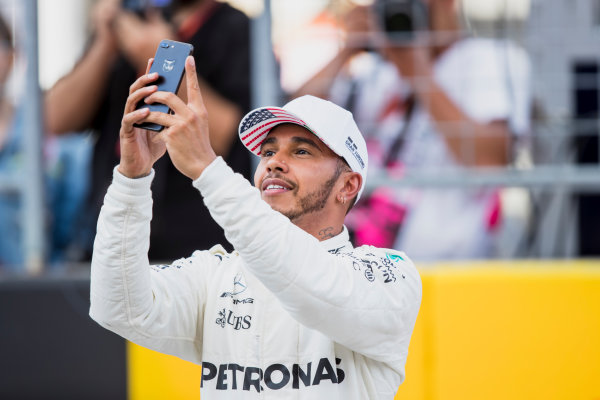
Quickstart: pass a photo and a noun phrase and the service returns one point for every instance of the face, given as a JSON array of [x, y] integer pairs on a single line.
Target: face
[[297, 173]]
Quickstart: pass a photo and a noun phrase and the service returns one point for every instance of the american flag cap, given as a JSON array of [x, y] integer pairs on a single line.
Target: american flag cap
[[331, 123]]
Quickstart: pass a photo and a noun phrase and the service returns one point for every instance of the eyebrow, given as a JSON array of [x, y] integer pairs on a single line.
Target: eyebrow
[[295, 139]]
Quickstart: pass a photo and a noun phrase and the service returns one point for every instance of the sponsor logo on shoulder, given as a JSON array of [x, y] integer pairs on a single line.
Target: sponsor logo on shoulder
[[394, 257], [363, 264], [391, 260], [369, 273], [387, 266]]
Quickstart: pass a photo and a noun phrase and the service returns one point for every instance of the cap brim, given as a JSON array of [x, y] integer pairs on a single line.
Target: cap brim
[[257, 124]]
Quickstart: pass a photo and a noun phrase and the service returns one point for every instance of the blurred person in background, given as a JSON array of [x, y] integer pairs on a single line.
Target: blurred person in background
[[431, 99], [93, 95], [11, 147], [63, 159]]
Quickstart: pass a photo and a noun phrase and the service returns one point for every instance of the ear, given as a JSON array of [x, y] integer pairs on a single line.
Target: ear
[[352, 182]]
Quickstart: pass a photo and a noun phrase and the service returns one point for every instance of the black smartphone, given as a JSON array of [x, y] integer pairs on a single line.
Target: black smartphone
[[169, 62]]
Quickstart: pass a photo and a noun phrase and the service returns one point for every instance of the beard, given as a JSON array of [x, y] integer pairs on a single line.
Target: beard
[[314, 201]]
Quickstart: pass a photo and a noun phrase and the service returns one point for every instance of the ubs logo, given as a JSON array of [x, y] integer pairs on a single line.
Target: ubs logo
[[227, 317], [168, 65]]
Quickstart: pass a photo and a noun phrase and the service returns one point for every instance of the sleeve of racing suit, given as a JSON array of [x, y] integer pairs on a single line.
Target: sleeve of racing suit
[[159, 307], [327, 292]]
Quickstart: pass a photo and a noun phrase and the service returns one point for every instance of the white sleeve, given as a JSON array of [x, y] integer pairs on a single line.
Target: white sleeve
[[323, 291], [158, 307], [490, 80]]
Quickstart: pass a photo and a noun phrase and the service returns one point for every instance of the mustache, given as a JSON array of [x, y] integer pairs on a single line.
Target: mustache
[[280, 177]]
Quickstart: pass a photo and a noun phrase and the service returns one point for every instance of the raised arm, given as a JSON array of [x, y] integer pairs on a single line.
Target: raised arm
[[358, 24], [158, 307], [72, 102], [473, 143]]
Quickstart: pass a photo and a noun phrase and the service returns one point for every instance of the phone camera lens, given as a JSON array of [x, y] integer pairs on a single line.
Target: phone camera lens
[[165, 45]]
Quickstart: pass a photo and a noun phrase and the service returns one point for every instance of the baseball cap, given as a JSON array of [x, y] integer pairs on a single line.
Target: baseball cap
[[331, 123]]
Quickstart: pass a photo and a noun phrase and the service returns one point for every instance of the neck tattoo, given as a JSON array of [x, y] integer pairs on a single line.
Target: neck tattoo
[[326, 233]]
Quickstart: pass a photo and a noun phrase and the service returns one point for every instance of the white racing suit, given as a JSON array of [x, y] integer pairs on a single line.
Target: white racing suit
[[284, 316]]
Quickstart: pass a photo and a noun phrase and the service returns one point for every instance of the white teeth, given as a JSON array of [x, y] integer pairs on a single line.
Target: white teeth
[[270, 187]]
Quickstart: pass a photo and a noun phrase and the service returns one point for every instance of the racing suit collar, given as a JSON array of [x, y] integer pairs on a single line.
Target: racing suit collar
[[339, 243]]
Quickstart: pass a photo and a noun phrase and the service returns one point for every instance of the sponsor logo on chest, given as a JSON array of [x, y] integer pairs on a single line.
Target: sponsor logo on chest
[[233, 376], [239, 287], [228, 318]]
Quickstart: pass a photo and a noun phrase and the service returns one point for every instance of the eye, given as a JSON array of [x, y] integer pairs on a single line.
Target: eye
[[266, 153], [302, 151]]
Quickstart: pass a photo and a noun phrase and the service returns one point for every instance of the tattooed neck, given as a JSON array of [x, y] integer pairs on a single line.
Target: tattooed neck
[[326, 233]]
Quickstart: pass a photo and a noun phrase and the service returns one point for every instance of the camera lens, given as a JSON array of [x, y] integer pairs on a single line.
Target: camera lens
[[164, 45], [399, 22], [402, 19]]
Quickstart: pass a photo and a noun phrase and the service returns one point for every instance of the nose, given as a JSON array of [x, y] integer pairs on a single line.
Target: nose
[[277, 163]]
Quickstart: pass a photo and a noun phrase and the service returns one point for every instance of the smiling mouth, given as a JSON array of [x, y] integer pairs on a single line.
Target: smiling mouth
[[275, 189], [275, 186]]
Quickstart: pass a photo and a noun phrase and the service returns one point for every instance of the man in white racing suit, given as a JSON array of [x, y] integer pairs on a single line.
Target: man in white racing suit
[[294, 311]]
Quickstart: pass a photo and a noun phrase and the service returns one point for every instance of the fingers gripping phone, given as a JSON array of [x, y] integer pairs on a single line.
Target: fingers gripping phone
[[169, 62]]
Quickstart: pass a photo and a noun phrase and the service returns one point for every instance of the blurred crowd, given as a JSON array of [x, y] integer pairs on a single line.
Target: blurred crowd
[[426, 95], [91, 97], [428, 98]]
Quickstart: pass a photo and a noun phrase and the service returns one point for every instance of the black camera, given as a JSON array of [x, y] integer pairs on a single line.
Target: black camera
[[402, 19]]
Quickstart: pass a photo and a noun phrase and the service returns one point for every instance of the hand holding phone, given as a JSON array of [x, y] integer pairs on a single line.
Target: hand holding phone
[[186, 136], [169, 63]]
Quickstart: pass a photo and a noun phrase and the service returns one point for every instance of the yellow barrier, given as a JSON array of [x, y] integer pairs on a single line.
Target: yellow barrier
[[514, 330]]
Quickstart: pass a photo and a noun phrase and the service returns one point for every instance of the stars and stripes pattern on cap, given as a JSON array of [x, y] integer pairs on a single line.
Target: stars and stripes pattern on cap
[[255, 127]]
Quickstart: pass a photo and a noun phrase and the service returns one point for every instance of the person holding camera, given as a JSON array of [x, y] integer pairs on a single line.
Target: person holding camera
[[295, 311], [429, 98], [93, 95]]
